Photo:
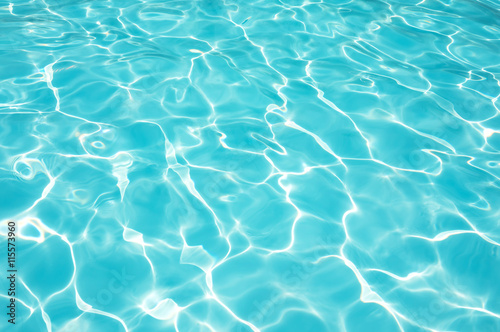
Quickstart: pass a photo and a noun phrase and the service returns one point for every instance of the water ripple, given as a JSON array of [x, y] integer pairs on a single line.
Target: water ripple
[[284, 165]]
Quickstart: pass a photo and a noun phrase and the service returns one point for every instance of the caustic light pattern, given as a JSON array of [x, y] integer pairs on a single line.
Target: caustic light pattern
[[274, 166]]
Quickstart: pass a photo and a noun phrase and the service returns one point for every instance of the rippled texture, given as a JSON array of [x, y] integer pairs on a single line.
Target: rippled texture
[[252, 165]]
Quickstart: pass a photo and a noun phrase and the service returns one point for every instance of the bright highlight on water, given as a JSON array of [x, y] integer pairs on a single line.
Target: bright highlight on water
[[269, 165]]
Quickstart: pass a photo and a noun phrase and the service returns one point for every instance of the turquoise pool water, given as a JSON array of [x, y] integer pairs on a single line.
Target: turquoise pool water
[[277, 166]]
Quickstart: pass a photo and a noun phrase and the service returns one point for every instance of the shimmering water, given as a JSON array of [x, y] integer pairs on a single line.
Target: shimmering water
[[276, 165]]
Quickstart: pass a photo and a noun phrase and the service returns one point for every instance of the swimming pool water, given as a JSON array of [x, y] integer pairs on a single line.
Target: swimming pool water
[[277, 166]]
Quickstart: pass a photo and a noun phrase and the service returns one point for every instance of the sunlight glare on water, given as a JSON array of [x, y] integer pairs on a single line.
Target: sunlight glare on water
[[272, 165]]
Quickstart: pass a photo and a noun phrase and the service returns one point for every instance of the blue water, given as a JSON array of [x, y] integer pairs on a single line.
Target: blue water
[[277, 166]]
